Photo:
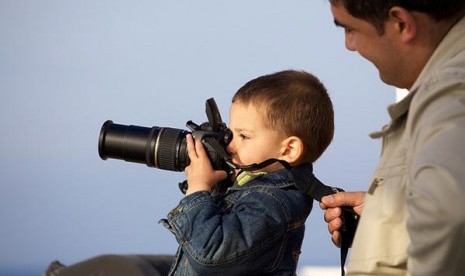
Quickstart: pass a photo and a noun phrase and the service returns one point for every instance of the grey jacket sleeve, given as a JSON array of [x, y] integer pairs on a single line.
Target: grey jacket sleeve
[[436, 196]]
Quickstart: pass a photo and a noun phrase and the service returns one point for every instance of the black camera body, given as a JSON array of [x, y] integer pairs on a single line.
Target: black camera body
[[163, 147]]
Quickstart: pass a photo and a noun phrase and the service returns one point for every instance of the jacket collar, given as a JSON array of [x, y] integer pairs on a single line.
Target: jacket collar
[[280, 178]]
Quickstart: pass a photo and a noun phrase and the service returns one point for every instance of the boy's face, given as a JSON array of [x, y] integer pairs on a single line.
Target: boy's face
[[253, 141]]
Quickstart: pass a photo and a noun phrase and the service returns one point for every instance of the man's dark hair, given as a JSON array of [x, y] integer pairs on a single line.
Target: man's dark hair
[[376, 11]]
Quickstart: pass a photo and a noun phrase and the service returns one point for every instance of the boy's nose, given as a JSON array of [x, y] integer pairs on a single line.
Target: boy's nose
[[230, 148]]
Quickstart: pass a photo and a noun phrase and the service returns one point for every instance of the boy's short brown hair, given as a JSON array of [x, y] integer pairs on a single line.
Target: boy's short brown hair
[[295, 103]]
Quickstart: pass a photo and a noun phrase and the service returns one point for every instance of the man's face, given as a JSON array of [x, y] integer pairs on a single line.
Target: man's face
[[363, 37]]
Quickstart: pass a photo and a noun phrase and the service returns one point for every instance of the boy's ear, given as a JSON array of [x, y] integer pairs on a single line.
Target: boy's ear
[[292, 149]]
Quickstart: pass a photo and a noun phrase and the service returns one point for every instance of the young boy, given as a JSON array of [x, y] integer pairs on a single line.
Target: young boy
[[257, 226]]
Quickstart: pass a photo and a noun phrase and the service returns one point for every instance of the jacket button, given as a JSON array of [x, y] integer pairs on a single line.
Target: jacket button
[[175, 213]]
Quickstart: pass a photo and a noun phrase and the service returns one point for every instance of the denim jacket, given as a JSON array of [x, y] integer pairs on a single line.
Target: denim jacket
[[255, 229]]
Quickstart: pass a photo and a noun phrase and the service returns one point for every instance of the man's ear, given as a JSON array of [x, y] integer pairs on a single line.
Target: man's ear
[[292, 149], [403, 22]]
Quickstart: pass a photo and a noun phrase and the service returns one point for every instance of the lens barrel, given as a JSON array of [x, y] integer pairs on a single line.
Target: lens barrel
[[160, 147]]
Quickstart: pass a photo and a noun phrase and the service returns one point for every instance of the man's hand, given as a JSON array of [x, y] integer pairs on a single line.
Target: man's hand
[[332, 205]]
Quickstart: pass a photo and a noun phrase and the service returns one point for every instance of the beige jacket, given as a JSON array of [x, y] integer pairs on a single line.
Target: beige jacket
[[413, 222]]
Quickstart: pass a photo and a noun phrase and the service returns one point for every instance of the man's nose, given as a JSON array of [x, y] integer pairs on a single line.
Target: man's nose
[[350, 42]]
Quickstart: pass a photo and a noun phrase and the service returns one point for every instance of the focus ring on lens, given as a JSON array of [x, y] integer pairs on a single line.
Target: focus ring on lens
[[167, 149]]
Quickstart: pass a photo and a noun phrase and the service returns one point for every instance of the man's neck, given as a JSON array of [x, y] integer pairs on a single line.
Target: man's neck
[[430, 34]]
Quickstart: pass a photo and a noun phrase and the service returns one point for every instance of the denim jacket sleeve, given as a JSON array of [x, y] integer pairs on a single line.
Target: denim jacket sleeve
[[216, 240]]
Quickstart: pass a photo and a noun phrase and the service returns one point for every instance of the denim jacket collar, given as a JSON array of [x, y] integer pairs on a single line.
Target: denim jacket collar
[[277, 179]]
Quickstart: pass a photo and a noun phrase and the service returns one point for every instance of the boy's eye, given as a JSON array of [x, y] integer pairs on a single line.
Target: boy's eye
[[242, 136]]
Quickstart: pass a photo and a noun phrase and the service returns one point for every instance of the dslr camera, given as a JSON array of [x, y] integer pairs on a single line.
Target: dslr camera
[[166, 148]]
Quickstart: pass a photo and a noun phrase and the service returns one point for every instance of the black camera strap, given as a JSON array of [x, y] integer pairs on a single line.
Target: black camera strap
[[309, 185]]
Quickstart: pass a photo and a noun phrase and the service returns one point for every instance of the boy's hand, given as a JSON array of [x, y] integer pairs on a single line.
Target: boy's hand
[[200, 174], [332, 205]]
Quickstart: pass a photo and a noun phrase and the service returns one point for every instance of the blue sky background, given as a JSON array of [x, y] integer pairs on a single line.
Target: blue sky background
[[67, 66]]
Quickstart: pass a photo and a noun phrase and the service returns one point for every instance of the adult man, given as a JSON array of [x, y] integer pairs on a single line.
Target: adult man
[[413, 221]]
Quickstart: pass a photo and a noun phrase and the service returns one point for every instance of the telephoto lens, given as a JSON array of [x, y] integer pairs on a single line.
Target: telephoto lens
[[159, 147]]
